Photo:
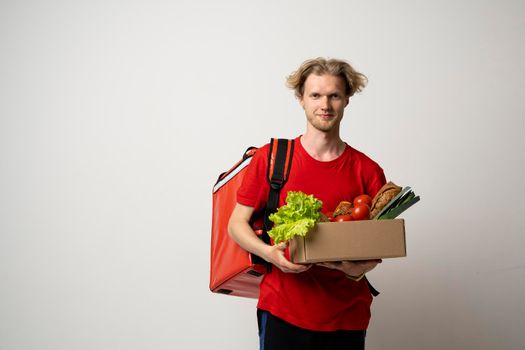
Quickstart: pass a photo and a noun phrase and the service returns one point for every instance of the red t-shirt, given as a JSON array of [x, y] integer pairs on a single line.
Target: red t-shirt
[[318, 299]]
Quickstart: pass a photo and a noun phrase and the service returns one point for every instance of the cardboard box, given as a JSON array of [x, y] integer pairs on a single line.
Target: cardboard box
[[350, 240]]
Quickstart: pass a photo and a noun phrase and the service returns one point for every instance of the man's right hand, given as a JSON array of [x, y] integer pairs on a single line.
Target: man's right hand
[[275, 255], [241, 232]]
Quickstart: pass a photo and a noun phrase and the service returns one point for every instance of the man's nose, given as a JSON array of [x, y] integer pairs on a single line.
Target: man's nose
[[325, 103]]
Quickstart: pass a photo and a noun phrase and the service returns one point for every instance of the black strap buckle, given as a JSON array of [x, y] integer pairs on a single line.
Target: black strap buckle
[[276, 184]]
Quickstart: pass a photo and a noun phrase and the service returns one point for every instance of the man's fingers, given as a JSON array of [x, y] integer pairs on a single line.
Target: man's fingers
[[288, 266], [330, 265], [295, 269], [371, 263], [284, 264], [352, 268], [282, 245]]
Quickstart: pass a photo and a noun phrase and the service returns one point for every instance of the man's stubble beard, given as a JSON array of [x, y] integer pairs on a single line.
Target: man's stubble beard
[[324, 127]]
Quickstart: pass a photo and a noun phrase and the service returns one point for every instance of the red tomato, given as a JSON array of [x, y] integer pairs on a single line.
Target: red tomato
[[363, 199], [330, 215], [344, 217], [361, 212]]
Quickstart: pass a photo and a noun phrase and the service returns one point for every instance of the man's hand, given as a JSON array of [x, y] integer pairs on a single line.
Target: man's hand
[[241, 232], [352, 268], [275, 255]]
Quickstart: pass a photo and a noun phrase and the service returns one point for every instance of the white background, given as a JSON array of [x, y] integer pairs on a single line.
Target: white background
[[117, 116]]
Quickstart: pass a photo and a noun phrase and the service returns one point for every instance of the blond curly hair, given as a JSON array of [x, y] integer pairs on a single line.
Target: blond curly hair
[[354, 81]]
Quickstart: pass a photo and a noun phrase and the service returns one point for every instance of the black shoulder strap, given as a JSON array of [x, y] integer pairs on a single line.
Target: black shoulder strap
[[279, 164]]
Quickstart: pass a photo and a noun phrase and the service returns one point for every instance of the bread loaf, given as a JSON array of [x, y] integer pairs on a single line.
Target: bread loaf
[[383, 196]]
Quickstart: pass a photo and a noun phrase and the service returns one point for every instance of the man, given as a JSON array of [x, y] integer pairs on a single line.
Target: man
[[327, 305]]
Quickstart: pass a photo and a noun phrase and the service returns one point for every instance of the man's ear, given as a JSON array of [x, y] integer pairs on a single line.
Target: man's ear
[[347, 100], [301, 100]]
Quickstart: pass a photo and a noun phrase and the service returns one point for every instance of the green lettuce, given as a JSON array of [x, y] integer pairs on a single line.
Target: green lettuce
[[296, 217]]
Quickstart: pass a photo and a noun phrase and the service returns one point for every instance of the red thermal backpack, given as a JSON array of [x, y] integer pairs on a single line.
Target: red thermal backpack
[[233, 270]]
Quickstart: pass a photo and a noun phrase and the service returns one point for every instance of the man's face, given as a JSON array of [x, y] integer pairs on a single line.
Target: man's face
[[324, 101]]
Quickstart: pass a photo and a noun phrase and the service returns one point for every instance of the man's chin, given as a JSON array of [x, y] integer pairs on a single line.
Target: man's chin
[[326, 127]]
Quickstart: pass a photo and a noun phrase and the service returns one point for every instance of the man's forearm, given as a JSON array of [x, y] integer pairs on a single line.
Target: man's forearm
[[242, 233]]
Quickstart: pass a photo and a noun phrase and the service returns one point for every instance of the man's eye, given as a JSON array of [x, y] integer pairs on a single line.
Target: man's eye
[[335, 97], [315, 95]]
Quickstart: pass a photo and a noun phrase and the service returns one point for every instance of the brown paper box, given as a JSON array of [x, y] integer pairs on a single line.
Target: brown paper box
[[350, 240]]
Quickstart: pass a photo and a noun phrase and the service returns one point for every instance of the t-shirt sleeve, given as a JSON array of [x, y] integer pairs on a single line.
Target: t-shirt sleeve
[[375, 180], [253, 191]]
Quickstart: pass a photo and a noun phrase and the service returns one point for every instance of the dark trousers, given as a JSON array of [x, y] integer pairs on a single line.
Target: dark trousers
[[277, 334]]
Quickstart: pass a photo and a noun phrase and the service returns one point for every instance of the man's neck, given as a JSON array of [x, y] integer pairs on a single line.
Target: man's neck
[[323, 146]]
